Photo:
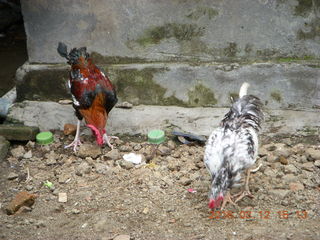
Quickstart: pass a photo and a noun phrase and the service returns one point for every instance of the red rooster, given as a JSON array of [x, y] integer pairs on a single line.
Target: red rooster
[[92, 92]]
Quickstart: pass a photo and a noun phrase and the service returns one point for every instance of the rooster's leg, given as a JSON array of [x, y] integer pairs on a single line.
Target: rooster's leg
[[246, 191], [227, 199], [107, 139], [76, 142]]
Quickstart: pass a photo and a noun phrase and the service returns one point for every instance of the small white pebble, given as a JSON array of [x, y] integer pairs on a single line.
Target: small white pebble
[[62, 197]]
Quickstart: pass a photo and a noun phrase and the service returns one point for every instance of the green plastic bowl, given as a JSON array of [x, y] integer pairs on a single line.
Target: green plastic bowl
[[44, 138], [156, 136]]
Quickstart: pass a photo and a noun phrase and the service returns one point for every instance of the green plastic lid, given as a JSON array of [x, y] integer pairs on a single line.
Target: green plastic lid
[[44, 138], [156, 136]]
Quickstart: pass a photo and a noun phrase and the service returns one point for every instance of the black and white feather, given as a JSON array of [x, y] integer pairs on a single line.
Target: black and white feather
[[233, 146]]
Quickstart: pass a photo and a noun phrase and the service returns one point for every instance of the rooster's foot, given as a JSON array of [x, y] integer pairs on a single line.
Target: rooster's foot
[[227, 199], [107, 139], [74, 144], [242, 195]]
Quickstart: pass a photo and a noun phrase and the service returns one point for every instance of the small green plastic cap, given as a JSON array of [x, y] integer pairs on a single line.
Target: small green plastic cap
[[44, 138], [156, 136]]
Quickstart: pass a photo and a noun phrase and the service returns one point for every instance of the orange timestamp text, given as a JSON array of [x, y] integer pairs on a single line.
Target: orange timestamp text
[[265, 214]]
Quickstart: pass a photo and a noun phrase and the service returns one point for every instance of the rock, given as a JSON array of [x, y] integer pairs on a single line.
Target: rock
[[63, 178], [28, 155], [69, 129], [263, 151], [145, 210], [114, 154], [51, 158], [18, 133], [290, 169], [296, 186], [173, 164], [28, 187], [101, 168], [137, 147], [83, 168], [4, 147], [62, 197], [89, 150], [271, 158], [30, 144], [125, 105], [299, 148], [163, 150], [279, 193], [289, 178], [312, 153], [126, 165], [270, 147], [270, 173], [317, 163], [185, 181], [282, 150], [171, 144], [21, 199], [75, 211], [18, 152], [308, 166], [12, 175], [283, 160], [122, 237], [125, 148]]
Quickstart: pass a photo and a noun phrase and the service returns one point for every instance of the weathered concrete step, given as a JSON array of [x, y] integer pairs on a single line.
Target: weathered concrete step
[[18, 133], [4, 147], [141, 119], [278, 85]]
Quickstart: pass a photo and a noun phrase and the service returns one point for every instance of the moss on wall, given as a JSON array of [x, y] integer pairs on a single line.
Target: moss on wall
[[199, 12], [139, 87], [303, 8], [43, 85], [170, 30], [276, 95], [201, 95]]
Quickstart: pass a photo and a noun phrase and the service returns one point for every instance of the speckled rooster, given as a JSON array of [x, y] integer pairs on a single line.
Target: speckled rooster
[[232, 148], [92, 92]]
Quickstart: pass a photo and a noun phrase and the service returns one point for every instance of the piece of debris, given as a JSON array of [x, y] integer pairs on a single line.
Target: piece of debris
[[133, 157], [12, 176], [28, 155], [191, 190], [69, 129], [48, 184], [65, 101], [62, 197], [21, 199], [122, 237], [125, 105], [187, 138]]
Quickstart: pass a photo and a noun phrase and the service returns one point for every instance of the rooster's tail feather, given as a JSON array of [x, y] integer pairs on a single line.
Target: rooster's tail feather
[[74, 54], [243, 89], [246, 111]]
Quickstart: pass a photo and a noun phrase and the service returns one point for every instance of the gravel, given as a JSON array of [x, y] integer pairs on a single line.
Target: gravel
[[107, 197]]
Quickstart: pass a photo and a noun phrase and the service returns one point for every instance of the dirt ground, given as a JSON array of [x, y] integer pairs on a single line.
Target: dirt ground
[[108, 197]]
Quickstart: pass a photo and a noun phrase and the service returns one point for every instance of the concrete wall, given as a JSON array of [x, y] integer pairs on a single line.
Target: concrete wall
[[174, 30], [180, 52]]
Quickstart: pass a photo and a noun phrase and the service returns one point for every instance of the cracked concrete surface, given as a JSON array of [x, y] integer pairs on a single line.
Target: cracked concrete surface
[[140, 119]]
